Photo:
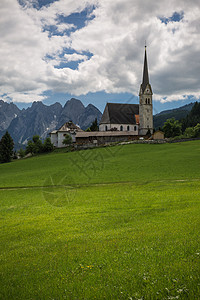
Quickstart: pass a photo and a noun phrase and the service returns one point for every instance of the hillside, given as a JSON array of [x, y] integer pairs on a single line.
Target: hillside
[[177, 113], [111, 223]]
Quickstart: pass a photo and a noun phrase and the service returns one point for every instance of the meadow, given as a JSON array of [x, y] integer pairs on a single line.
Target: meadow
[[111, 223]]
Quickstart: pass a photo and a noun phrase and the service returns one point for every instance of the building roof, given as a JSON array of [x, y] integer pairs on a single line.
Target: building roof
[[67, 127], [118, 113], [84, 134]]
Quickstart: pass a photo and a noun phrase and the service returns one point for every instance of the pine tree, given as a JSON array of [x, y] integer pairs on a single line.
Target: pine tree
[[94, 126], [6, 148], [48, 146]]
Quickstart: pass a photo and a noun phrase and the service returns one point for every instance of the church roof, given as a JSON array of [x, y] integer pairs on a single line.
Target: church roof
[[145, 80], [117, 113]]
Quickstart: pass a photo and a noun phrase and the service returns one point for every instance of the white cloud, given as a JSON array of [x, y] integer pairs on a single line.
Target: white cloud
[[75, 57], [30, 53]]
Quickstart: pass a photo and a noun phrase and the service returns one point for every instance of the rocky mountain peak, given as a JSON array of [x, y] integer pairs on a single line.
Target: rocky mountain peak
[[41, 119]]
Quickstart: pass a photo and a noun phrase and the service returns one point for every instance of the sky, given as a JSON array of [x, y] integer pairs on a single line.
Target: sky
[[93, 50]]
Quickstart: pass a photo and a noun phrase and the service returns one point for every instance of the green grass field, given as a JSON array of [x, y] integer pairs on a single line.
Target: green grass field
[[111, 223]]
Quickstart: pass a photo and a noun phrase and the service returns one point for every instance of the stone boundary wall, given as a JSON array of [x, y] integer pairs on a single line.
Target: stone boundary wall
[[183, 140], [92, 146]]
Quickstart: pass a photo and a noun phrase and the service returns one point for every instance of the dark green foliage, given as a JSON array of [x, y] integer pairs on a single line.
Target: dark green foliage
[[148, 132], [35, 145], [47, 146], [94, 126], [30, 147], [21, 153], [38, 147], [15, 155], [172, 128], [67, 140], [178, 113], [197, 130], [6, 148], [193, 118]]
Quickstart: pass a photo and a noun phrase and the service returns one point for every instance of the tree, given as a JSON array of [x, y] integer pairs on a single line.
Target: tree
[[30, 147], [21, 153], [35, 145], [172, 128], [148, 132], [193, 118], [197, 130], [47, 146], [38, 147], [94, 126], [6, 148], [189, 132], [67, 140]]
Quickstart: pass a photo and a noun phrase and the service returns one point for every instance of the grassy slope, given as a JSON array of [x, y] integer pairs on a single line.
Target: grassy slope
[[116, 164], [137, 236]]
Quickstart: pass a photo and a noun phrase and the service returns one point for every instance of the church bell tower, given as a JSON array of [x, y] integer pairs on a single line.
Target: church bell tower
[[145, 105]]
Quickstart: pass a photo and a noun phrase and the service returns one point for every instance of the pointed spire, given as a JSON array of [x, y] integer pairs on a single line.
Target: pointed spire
[[145, 71]]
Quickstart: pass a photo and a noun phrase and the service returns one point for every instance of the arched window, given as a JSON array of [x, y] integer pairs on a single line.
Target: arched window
[[135, 128], [146, 101], [149, 101], [121, 128], [128, 128], [106, 128]]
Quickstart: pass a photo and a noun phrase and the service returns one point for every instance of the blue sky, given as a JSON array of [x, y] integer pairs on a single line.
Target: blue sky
[[93, 50]]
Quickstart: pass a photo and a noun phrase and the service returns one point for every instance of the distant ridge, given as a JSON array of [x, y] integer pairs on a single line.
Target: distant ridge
[[177, 113], [41, 119]]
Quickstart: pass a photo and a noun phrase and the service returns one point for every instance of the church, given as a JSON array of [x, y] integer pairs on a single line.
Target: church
[[134, 118], [120, 122]]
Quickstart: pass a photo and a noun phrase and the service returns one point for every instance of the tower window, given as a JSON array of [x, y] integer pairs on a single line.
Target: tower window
[[128, 128], [121, 128], [135, 128], [146, 101]]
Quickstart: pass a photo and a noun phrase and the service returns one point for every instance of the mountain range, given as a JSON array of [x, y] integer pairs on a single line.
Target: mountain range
[[41, 119], [177, 113]]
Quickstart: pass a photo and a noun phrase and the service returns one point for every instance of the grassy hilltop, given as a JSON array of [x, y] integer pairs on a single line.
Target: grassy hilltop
[[111, 223]]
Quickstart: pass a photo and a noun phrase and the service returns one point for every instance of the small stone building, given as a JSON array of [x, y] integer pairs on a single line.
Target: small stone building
[[158, 135], [57, 136]]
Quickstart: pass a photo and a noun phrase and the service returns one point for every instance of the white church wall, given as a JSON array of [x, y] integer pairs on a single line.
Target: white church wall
[[119, 127]]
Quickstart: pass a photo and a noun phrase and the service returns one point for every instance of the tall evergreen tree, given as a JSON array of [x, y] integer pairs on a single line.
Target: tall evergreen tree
[[94, 126], [6, 148], [47, 146]]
